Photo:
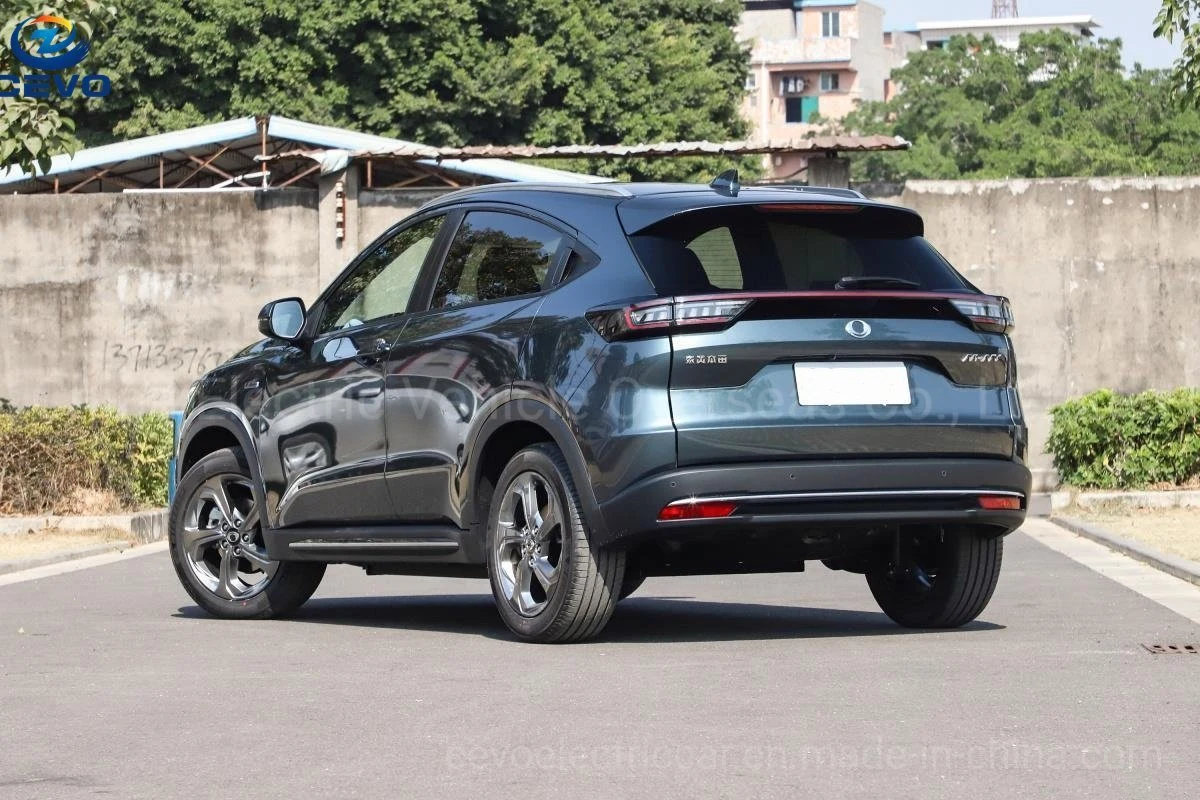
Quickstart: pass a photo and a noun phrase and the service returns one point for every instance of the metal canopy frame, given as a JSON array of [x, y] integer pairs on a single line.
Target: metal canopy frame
[[244, 162]]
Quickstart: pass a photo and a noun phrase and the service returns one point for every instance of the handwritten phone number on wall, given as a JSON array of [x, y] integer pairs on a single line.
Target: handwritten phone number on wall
[[151, 357]]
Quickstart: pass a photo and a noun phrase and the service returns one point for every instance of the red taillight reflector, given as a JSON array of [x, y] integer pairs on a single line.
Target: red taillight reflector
[[1000, 503], [696, 509]]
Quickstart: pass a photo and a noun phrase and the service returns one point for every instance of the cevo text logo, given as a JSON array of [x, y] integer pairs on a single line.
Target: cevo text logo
[[51, 44]]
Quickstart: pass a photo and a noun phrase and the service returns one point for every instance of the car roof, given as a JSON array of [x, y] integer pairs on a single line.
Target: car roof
[[617, 189], [641, 205]]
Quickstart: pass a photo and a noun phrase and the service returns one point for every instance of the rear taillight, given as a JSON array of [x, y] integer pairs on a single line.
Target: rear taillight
[[643, 319], [696, 509], [991, 314]]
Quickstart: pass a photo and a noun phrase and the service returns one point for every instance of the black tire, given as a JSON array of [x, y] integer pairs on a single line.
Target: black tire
[[286, 590], [965, 567], [632, 582], [581, 601]]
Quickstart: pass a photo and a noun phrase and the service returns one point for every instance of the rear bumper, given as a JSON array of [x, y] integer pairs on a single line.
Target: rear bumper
[[822, 494]]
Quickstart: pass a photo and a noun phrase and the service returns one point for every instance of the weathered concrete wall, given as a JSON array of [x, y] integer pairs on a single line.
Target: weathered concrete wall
[[379, 209], [126, 298], [1104, 275]]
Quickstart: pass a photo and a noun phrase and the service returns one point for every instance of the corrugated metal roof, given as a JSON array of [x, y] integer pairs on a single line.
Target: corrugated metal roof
[[190, 138], [245, 130], [447, 155], [340, 139]]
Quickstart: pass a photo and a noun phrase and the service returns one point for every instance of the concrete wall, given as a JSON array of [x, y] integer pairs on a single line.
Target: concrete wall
[[1104, 276], [124, 298]]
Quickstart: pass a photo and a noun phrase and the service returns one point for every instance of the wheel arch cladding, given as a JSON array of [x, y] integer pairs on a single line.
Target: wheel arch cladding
[[213, 429], [510, 429], [207, 439]]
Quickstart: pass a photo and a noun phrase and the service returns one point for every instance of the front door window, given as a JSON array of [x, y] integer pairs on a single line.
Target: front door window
[[383, 283]]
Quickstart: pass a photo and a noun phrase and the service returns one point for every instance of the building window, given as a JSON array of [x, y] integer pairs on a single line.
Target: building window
[[936, 44], [831, 82], [792, 84], [751, 82], [800, 109], [831, 23]]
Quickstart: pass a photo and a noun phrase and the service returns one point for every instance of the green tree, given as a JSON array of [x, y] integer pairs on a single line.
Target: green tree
[[446, 72], [1053, 107], [1181, 19], [31, 130]]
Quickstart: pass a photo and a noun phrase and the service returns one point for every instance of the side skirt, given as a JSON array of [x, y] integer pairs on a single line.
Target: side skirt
[[375, 544]]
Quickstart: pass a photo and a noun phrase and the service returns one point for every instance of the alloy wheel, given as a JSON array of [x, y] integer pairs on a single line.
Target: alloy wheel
[[529, 544], [222, 539]]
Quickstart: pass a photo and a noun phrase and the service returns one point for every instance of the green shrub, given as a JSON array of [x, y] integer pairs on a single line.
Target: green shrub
[[1112, 441], [50, 458]]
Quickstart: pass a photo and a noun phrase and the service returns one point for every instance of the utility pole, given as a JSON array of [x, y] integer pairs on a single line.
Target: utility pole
[[1004, 8]]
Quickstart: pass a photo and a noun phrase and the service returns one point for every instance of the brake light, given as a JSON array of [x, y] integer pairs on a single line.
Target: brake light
[[816, 208], [990, 314], [648, 318], [696, 509], [991, 502]]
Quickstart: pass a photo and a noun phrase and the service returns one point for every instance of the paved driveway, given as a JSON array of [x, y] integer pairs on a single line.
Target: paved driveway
[[742, 687]]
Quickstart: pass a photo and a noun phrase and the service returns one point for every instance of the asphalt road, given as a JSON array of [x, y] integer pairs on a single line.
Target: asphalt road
[[747, 687]]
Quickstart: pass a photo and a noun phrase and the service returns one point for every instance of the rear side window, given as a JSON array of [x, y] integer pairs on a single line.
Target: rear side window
[[496, 255], [762, 249]]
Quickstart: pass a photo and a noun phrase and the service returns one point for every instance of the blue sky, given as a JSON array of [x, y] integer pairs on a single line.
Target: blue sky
[[1130, 20]]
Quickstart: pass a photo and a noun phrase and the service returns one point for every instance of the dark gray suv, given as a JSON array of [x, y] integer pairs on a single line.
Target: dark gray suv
[[567, 389]]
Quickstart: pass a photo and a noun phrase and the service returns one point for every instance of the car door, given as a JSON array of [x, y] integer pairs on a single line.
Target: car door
[[321, 430], [457, 359]]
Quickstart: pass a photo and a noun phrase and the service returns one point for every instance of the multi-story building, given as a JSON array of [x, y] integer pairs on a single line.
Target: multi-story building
[[809, 59], [815, 59], [1006, 32]]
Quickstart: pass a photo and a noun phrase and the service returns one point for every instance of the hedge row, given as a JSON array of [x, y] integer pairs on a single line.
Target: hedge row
[[1111, 441], [48, 456]]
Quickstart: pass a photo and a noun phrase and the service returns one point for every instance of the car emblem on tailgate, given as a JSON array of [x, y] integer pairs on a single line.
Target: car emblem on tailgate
[[858, 329]]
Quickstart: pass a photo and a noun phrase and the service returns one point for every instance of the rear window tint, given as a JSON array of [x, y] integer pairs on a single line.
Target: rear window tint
[[751, 249]]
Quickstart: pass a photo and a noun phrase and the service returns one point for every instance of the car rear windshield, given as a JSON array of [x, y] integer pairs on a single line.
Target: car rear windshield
[[753, 248]]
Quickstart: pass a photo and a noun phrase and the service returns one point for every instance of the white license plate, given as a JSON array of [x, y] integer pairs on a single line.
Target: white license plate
[[862, 383]]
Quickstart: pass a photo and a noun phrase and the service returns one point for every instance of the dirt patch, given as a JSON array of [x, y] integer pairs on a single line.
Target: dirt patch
[[20, 546], [1171, 530]]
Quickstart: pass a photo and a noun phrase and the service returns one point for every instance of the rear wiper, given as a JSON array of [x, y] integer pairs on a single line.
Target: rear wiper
[[875, 282]]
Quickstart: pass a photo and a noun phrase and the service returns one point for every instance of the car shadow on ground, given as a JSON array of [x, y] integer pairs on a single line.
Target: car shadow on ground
[[638, 619]]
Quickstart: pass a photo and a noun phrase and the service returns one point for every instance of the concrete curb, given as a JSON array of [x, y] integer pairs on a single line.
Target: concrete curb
[[149, 526], [23, 564], [1172, 565], [145, 526], [1175, 498]]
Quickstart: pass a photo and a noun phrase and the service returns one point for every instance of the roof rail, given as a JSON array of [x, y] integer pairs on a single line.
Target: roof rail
[[607, 189], [854, 193]]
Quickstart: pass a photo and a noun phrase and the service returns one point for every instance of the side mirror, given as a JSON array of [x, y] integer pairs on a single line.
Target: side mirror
[[282, 319]]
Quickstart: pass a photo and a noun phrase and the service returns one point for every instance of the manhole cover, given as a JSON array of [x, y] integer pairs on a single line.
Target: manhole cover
[[1173, 649]]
